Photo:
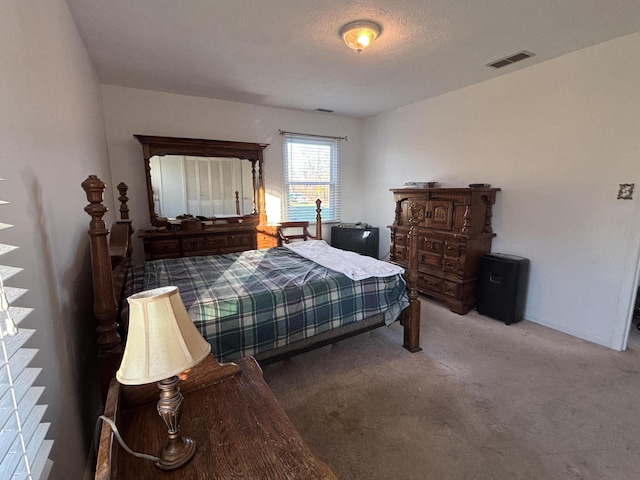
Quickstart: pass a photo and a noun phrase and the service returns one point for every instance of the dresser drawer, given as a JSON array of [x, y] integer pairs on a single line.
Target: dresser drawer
[[216, 241], [193, 244], [239, 240], [452, 249], [162, 247], [433, 260], [452, 265], [451, 289], [432, 245], [400, 239], [429, 283]]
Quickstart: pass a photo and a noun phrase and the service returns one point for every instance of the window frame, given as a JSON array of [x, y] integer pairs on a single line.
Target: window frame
[[331, 204]]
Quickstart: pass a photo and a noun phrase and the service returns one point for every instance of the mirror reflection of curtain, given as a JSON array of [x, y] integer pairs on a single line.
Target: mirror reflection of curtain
[[156, 183], [200, 185], [246, 193], [211, 184], [167, 182]]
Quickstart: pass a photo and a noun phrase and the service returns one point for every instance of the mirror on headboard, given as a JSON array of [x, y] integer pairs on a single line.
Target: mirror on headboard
[[208, 179]]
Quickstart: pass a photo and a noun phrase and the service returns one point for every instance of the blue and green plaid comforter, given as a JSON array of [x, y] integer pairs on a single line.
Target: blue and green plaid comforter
[[250, 302]]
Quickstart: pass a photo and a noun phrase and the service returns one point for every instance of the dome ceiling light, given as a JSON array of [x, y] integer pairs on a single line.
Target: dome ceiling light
[[360, 34]]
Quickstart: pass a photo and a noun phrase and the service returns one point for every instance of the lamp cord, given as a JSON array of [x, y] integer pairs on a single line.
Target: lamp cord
[[114, 428]]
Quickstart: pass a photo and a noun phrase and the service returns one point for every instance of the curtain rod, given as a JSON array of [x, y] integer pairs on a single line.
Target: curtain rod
[[282, 132]]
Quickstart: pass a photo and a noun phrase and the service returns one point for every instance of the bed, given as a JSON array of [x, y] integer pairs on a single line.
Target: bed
[[287, 304]]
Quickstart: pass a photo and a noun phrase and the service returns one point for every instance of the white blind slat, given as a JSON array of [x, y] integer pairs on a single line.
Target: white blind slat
[[14, 293], [8, 272], [41, 465], [11, 428], [32, 423], [29, 429], [23, 449], [8, 434], [19, 361], [18, 314], [11, 459], [13, 343], [6, 248], [37, 439], [26, 395]]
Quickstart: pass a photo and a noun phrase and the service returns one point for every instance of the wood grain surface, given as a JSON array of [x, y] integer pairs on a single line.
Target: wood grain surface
[[240, 430]]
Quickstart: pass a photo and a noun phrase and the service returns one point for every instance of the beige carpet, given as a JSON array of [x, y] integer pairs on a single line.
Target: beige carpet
[[482, 401]]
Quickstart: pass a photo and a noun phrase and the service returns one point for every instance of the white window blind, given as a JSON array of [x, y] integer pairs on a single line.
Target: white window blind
[[311, 171], [24, 452]]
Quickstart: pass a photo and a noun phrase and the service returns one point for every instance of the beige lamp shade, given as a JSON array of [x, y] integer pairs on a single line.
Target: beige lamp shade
[[162, 340]]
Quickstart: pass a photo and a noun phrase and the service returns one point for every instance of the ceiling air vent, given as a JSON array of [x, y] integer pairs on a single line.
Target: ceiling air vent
[[516, 57]]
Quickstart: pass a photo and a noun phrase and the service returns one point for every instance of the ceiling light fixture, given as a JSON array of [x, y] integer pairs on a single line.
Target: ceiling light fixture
[[360, 34]]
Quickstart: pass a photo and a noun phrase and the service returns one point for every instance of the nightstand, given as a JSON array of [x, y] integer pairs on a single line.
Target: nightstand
[[240, 430]]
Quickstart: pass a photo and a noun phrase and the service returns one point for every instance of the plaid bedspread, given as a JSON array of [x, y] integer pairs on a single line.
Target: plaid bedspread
[[250, 302]]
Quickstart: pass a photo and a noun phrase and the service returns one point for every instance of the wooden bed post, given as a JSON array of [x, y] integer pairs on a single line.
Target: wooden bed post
[[124, 208], [262, 211], [318, 220], [411, 316], [105, 306]]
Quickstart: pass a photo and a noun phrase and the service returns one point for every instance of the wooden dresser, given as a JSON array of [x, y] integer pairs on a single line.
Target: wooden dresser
[[238, 425], [207, 241], [454, 231], [188, 243]]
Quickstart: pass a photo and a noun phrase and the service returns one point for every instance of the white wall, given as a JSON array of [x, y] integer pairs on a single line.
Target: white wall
[[130, 111], [52, 136], [558, 138]]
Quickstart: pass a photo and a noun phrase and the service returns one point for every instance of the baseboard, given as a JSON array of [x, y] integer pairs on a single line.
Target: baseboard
[[605, 342]]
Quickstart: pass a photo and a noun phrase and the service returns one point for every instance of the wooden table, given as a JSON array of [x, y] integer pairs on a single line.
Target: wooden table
[[240, 430]]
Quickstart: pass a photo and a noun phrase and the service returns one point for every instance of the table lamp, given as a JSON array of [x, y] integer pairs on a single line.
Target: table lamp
[[162, 342]]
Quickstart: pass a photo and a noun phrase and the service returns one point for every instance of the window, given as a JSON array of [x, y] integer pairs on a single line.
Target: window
[[24, 451], [311, 172]]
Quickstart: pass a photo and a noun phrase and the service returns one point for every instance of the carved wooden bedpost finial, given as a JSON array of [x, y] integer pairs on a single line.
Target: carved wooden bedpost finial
[[94, 188], [105, 307], [123, 199]]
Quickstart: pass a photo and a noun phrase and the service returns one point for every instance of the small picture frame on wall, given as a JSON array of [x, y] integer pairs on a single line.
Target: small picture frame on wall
[[626, 191]]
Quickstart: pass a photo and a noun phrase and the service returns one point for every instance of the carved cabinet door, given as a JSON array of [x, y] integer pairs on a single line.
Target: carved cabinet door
[[439, 214]]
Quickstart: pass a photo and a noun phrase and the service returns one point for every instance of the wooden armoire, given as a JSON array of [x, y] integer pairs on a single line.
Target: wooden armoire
[[454, 231]]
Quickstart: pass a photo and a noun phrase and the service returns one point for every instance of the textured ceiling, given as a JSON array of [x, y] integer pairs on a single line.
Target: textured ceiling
[[288, 53]]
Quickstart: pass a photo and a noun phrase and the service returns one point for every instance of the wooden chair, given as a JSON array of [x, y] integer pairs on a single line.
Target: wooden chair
[[292, 231], [302, 228]]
